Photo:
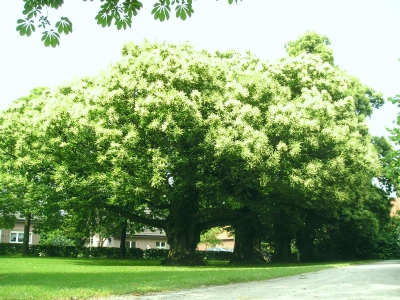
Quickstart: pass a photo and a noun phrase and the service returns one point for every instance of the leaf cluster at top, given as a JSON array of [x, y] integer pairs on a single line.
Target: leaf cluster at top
[[119, 12]]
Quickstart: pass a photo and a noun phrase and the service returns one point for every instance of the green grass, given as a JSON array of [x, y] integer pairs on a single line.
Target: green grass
[[58, 278]]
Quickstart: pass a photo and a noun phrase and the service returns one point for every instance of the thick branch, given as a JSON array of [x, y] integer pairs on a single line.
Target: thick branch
[[159, 206], [135, 218], [218, 217]]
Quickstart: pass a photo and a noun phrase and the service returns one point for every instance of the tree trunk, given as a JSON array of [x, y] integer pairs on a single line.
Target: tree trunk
[[25, 242], [282, 250], [183, 234], [122, 245], [287, 250], [245, 250], [305, 244], [101, 241], [330, 250]]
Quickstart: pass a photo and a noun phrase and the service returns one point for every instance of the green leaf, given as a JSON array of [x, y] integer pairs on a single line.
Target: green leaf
[[25, 27], [131, 7], [32, 13], [56, 3], [28, 6], [51, 38], [123, 22], [154, 10], [119, 24], [64, 25], [44, 21], [104, 20], [161, 10], [184, 10], [180, 13], [32, 10]]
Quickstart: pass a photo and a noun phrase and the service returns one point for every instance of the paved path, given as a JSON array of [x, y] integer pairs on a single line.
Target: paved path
[[371, 281]]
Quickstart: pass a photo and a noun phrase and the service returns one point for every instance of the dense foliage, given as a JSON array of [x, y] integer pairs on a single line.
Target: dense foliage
[[26, 189], [185, 140]]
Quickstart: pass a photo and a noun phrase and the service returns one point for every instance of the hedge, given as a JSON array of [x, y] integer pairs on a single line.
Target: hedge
[[70, 251], [101, 252], [155, 253], [10, 248]]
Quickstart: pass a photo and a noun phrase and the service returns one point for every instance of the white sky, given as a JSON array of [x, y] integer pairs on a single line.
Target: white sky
[[365, 37]]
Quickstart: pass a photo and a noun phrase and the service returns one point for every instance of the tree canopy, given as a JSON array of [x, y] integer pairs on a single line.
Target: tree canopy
[[117, 12], [392, 156], [25, 169], [312, 43], [187, 140]]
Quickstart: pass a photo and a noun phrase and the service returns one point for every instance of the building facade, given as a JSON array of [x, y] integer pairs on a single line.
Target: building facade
[[146, 239], [16, 235], [395, 207], [227, 241]]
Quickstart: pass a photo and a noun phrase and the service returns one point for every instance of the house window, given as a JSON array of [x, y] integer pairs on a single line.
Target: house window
[[130, 244], [18, 237], [161, 245]]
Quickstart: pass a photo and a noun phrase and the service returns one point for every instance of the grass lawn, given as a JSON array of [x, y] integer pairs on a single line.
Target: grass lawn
[[75, 278]]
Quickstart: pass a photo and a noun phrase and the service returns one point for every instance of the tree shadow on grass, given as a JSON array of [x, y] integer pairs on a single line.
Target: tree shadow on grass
[[210, 263], [106, 262]]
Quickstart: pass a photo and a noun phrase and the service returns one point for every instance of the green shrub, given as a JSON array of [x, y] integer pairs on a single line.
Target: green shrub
[[101, 252], [10, 248], [369, 256], [55, 238], [155, 253], [53, 251], [80, 251], [134, 253]]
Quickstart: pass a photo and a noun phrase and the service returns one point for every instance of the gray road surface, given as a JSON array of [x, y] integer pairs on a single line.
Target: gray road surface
[[379, 280]]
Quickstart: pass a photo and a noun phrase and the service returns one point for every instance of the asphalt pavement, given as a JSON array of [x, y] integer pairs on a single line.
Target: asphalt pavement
[[380, 280]]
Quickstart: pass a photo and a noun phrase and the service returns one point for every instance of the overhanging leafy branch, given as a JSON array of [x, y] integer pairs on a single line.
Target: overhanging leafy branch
[[117, 12]]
